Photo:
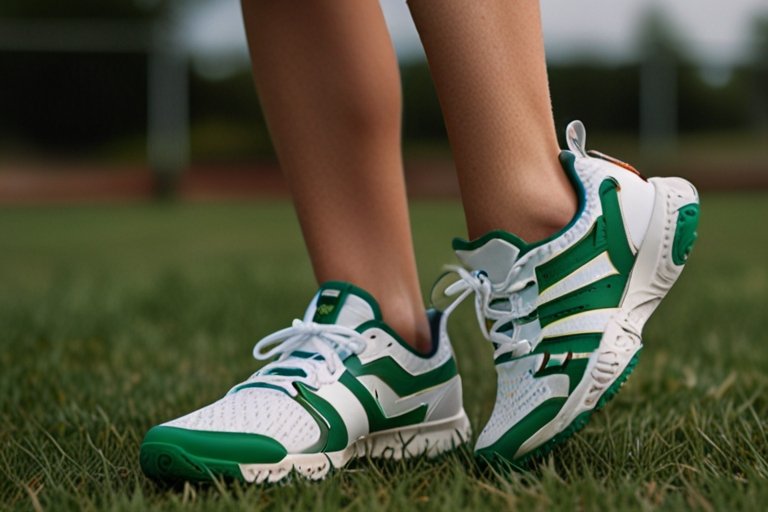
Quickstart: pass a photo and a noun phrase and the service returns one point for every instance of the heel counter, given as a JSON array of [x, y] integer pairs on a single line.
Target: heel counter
[[636, 198]]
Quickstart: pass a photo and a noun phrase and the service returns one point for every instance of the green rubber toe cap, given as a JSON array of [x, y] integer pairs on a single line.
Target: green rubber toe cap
[[177, 453]]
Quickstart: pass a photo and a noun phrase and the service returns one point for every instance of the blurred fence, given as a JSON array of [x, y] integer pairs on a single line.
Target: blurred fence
[[122, 94], [167, 72]]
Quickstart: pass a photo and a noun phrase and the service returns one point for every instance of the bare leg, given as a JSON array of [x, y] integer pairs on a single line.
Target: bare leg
[[487, 61], [328, 81]]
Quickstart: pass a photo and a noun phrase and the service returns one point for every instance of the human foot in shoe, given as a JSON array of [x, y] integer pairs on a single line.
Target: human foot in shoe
[[565, 314], [344, 385]]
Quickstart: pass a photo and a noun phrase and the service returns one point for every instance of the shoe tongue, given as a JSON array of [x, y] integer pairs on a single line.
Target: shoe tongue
[[342, 304], [494, 253]]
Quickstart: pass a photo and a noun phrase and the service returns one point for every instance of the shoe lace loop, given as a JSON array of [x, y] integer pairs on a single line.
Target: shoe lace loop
[[477, 282], [330, 344], [328, 340]]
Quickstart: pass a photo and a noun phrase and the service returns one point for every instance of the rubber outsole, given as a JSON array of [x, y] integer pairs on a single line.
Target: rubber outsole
[[171, 463], [581, 421], [166, 462]]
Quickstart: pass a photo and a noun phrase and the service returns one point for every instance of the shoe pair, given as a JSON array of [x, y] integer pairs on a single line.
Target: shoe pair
[[564, 315]]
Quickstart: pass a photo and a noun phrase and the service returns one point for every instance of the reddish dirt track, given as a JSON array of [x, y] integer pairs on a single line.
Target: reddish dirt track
[[92, 183], [426, 178]]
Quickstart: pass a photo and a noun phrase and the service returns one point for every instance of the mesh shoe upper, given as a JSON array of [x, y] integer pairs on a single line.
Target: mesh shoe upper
[[263, 411]]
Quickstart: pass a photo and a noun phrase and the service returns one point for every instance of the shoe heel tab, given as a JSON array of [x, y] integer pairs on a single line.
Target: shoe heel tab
[[576, 137]]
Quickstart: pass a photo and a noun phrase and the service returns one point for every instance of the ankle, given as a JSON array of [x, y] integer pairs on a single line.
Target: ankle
[[554, 211], [411, 325], [532, 211]]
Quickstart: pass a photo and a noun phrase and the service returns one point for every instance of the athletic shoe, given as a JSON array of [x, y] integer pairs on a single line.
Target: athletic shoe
[[343, 385], [565, 314]]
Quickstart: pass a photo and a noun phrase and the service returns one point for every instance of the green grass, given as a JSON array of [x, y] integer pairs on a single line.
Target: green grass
[[114, 318]]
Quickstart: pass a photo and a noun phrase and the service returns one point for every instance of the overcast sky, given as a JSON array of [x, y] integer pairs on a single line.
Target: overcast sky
[[717, 31]]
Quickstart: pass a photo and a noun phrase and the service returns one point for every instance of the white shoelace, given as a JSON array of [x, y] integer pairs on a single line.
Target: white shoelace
[[330, 343], [477, 282]]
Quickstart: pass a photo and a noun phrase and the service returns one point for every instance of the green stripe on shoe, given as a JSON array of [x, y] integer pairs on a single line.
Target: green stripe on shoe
[[607, 234], [377, 420], [573, 258], [332, 426], [402, 382], [602, 294], [619, 249], [576, 343], [507, 445]]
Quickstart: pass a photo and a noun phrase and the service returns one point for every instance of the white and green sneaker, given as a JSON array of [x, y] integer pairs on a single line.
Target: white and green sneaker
[[565, 315], [344, 385]]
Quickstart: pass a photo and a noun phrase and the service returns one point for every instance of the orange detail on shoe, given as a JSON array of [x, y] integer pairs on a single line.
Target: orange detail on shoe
[[609, 158]]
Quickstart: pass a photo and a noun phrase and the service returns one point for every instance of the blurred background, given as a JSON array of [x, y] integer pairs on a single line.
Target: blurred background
[[141, 98]]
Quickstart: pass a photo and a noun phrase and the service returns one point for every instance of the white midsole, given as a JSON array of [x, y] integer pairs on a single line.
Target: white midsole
[[651, 278], [430, 438]]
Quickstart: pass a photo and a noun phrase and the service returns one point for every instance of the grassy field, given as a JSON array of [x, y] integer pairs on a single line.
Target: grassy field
[[114, 318]]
